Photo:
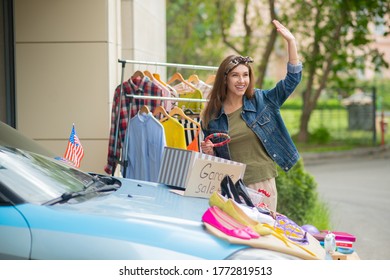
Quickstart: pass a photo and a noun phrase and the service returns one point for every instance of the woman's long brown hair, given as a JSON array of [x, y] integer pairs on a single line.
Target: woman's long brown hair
[[219, 91]]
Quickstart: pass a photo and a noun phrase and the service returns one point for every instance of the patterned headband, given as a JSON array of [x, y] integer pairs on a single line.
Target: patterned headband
[[238, 60]]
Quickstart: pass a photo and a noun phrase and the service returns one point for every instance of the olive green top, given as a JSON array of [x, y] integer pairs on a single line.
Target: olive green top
[[245, 147]]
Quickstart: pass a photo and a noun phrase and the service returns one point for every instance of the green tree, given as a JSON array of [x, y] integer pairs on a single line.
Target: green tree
[[193, 32], [257, 37], [202, 32], [335, 37]]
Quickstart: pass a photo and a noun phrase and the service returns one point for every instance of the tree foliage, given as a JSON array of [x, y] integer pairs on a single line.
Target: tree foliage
[[335, 44], [193, 34], [215, 28], [334, 38], [257, 36]]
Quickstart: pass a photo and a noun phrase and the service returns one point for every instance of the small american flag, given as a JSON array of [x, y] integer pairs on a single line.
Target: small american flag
[[74, 151]]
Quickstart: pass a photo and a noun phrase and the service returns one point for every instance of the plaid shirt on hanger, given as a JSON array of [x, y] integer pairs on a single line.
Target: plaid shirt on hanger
[[137, 86]]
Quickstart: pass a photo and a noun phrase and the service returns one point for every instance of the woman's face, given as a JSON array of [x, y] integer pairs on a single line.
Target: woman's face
[[238, 80]]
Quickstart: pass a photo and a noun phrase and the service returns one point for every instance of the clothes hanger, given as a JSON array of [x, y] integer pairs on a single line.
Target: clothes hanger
[[172, 90], [152, 77], [179, 77], [178, 111], [191, 113], [144, 109], [161, 109], [158, 78], [193, 78], [138, 73], [155, 80], [210, 80], [149, 75]]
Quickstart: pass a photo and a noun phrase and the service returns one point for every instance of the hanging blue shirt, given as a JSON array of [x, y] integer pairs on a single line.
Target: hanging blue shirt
[[145, 149]]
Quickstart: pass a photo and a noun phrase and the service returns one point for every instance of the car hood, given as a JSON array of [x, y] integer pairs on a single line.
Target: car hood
[[139, 213], [145, 200]]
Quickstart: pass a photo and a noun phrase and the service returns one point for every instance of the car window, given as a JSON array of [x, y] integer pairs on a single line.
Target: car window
[[36, 178], [11, 137]]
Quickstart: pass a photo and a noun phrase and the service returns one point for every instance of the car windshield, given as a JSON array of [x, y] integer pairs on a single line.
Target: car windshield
[[36, 178]]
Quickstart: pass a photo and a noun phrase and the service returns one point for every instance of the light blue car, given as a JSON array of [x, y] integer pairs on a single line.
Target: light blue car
[[49, 210]]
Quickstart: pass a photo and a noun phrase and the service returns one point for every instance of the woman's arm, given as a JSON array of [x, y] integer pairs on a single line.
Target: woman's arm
[[289, 37]]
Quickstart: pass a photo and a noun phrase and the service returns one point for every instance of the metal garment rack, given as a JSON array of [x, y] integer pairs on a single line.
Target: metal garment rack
[[124, 62], [177, 65]]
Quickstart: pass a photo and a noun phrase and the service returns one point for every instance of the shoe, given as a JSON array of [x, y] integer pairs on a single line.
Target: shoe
[[242, 191], [287, 241], [255, 214], [290, 229], [216, 199], [229, 190], [264, 210], [239, 215], [220, 214], [213, 220], [234, 210]]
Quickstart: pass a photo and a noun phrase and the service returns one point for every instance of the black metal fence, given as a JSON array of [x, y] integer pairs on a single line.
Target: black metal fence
[[357, 122]]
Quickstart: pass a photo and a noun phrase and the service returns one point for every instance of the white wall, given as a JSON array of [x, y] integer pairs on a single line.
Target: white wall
[[147, 39], [67, 66]]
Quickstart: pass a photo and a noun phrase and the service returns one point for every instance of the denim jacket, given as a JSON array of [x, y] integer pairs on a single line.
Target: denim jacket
[[262, 114]]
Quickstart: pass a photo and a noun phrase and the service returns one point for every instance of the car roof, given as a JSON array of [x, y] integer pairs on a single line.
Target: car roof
[[11, 137]]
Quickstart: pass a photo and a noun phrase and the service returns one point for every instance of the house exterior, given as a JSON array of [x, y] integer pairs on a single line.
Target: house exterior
[[63, 58]]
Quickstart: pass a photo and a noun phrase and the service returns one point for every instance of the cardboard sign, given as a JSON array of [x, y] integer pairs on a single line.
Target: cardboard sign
[[206, 176], [199, 175]]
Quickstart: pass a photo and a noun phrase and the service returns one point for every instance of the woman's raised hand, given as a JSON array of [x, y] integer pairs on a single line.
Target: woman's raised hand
[[287, 35]]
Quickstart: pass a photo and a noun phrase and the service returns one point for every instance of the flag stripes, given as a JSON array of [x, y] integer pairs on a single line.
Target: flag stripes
[[74, 151]]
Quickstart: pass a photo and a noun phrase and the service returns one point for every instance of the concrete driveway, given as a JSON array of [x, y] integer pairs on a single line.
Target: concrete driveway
[[356, 186]]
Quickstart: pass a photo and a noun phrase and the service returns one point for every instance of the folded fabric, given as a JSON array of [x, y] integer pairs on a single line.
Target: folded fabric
[[254, 214]]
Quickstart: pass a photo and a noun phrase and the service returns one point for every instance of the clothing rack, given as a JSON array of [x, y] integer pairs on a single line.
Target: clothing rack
[[177, 65]]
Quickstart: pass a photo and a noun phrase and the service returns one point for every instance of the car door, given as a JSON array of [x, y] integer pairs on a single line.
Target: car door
[[15, 237]]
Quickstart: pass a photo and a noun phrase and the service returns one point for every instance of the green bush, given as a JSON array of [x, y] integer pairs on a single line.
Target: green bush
[[320, 135], [298, 198]]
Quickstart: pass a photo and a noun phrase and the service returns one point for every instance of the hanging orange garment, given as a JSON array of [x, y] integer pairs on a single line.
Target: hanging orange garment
[[194, 145]]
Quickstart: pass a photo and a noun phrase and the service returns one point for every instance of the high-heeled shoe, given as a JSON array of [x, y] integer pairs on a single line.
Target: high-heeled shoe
[[242, 191], [218, 212], [213, 220], [229, 190]]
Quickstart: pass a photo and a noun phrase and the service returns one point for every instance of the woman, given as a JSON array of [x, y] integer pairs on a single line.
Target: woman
[[251, 117]]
